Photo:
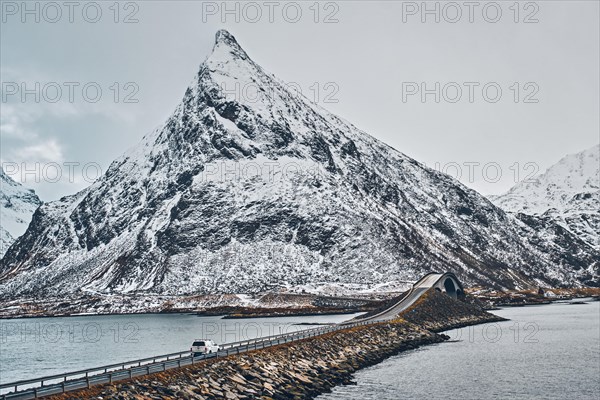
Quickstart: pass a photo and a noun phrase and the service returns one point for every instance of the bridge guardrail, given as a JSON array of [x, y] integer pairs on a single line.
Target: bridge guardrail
[[102, 374], [145, 365]]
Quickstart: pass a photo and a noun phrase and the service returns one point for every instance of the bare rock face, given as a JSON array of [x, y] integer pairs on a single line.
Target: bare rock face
[[249, 187]]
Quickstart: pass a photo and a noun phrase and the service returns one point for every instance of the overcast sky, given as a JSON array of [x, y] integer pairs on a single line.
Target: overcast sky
[[368, 60]]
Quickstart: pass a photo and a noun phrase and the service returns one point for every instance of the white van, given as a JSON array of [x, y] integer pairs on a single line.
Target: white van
[[204, 346]]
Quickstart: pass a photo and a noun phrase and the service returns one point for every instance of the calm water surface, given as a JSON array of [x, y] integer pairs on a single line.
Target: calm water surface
[[544, 352], [36, 347]]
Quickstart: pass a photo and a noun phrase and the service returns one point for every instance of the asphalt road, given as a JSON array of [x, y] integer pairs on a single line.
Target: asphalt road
[[418, 289]]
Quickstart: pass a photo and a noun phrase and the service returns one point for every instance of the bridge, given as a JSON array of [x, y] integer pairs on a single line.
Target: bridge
[[446, 283]]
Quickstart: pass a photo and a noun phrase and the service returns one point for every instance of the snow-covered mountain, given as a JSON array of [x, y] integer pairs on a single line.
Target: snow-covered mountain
[[249, 186], [17, 205], [568, 193]]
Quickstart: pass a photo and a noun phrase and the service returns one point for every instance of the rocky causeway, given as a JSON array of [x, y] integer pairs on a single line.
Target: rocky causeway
[[302, 369]]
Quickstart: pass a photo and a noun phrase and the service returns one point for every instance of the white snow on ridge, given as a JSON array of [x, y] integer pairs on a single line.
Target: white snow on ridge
[[568, 191], [17, 205], [555, 188]]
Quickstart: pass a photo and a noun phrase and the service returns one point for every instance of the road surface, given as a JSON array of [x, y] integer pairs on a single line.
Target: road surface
[[73, 381]]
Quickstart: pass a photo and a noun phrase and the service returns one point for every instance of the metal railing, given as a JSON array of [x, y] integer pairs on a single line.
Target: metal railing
[[109, 373]]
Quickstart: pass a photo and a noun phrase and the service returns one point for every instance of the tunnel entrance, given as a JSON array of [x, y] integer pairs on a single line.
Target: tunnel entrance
[[450, 288]]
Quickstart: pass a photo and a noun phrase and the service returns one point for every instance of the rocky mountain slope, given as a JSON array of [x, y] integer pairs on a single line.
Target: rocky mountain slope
[[17, 205], [567, 193], [250, 187]]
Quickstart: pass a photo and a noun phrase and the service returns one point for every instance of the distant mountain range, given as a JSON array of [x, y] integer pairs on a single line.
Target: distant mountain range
[[243, 193], [567, 193], [17, 205]]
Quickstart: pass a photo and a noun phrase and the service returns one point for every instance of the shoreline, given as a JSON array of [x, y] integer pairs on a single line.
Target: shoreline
[[267, 312], [299, 313], [267, 305], [490, 300]]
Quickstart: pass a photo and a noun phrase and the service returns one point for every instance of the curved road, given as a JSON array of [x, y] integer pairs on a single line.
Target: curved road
[[103, 376], [419, 288]]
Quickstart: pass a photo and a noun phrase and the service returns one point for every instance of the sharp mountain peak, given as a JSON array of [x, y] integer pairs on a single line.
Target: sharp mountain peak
[[156, 223]]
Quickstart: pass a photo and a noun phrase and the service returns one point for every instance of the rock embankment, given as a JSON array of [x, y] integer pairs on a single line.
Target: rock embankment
[[436, 312], [301, 369]]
